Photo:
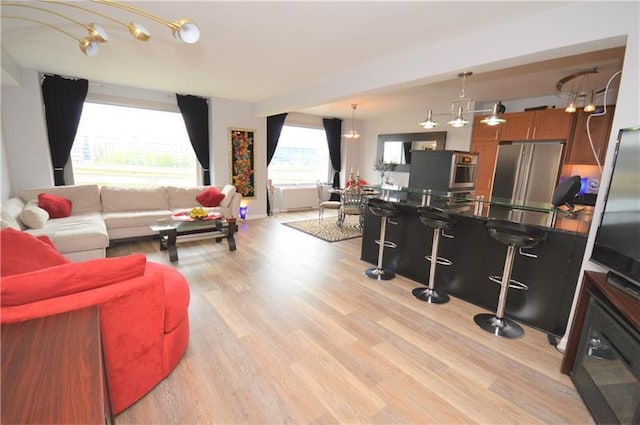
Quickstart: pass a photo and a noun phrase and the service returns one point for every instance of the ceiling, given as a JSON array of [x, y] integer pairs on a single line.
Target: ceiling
[[255, 51]]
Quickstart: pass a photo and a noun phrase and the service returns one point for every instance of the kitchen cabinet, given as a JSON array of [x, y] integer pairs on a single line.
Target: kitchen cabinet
[[579, 149], [484, 141], [547, 124]]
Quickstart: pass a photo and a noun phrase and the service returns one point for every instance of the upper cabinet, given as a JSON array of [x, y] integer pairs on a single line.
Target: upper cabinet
[[547, 124], [579, 149]]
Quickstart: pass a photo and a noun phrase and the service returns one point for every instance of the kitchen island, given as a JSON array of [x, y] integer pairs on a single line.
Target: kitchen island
[[550, 277]]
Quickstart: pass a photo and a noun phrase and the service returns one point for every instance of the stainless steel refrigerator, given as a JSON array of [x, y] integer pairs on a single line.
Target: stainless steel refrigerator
[[526, 174]]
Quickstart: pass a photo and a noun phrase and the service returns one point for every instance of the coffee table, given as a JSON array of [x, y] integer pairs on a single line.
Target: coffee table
[[221, 228]]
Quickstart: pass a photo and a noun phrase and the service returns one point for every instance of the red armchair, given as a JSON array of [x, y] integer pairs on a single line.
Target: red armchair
[[143, 307]]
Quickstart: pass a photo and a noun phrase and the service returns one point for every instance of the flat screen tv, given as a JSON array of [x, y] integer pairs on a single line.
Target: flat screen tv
[[617, 243]]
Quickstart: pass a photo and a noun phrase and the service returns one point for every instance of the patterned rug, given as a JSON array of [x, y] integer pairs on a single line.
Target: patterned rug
[[327, 230]]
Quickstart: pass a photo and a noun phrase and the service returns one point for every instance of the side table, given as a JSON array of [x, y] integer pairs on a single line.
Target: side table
[[52, 370]]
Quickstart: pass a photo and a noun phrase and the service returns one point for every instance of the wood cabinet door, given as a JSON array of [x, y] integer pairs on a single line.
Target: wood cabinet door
[[579, 147], [483, 131], [487, 152], [519, 126], [552, 124]]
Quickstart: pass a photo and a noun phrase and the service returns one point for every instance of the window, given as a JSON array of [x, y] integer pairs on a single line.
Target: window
[[126, 146], [301, 157]]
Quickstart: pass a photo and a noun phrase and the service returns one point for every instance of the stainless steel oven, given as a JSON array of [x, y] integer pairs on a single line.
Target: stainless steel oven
[[443, 171], [463, 170]]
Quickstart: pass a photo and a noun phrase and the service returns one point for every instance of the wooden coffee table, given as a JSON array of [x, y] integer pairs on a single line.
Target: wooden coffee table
[[222, 228]]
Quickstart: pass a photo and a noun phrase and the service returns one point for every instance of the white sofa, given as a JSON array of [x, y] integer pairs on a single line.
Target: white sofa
[[103, 215]]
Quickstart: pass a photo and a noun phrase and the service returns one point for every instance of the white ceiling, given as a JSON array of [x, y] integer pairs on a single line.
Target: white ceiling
[[255, 51]]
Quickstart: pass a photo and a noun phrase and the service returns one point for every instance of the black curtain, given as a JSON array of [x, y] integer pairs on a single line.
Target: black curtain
[[407, 152], [274, 128], [195, 113], [333, 129], [63, 100]]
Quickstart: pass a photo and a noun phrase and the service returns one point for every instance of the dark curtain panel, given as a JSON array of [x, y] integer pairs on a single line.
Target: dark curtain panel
[[274, 128], [407, 152], [333, 129], [195, 113], [63, 100]]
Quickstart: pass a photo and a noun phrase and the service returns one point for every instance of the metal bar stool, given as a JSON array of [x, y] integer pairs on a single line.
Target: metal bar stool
[[513, 235], [384, 210], [438, 220]]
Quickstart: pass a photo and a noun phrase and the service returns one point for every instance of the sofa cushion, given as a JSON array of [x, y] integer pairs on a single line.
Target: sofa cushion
[[33, 216], [21, 253], [183, 197], [133, 199], [176, 294], [210, 197], [10, 213], [69, 278], [228, 190], [56, 206], [84, 198], [76, 233]]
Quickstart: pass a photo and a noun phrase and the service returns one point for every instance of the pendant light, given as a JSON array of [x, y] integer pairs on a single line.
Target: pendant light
[[458, 110], [352, 134]]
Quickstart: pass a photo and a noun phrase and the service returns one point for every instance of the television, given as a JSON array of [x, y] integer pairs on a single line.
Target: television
[[617, 242]]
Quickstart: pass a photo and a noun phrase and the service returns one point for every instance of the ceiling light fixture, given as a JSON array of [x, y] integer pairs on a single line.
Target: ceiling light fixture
[[352, 134], [458, 110], [88, 46], [183, 30], [582, 91]]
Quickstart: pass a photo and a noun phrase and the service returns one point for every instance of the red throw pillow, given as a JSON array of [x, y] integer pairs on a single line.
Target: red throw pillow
[[210, 197], [56, 206], [69, 278], [21, 252]]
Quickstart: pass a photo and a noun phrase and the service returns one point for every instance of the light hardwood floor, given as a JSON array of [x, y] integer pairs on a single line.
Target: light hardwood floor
[[287, 329]]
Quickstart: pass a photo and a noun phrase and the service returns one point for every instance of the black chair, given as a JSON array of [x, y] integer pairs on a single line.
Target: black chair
[[385, 210], [513, 235], [438, 220]]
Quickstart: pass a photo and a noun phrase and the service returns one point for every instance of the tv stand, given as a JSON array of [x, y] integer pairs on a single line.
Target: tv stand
[[623, 284], [627, 306]]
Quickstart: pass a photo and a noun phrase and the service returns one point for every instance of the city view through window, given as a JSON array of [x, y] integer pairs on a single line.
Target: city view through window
[[301, 157], [125, 146]]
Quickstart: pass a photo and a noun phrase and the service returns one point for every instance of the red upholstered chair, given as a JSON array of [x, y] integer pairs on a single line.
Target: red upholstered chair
[[143, 307]]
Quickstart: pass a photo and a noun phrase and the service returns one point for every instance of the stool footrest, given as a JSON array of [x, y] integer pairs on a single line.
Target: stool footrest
[[512, 283]]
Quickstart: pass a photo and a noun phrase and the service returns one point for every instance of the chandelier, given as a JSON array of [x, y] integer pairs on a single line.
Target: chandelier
[[183, 30], [583, 92], [352, 134], [458, 110]]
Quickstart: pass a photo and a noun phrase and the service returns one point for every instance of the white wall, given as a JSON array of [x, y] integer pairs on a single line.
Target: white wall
[[25, 134]]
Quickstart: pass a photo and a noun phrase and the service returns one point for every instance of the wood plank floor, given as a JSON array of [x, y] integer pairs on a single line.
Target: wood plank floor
[[287, 329]]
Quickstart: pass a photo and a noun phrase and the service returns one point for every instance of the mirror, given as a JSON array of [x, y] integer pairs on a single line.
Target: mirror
[[396, 148]]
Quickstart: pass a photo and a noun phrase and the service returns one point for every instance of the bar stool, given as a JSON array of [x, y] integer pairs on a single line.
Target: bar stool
[[513, 235], [438, 220], [385, 210]]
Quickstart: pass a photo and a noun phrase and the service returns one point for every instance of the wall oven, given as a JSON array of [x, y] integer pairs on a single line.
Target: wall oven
[[607, 368], [443, 171], [463, 171]]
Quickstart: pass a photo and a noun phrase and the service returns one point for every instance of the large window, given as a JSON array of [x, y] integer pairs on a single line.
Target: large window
[[125, 146], [302, 157]]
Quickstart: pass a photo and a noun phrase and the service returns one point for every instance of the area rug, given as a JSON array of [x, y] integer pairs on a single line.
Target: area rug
[[327, 230]]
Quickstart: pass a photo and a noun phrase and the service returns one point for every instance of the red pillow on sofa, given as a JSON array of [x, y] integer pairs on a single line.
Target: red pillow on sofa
[[56, 206], [210, 197], [21, 252], [69, 278]]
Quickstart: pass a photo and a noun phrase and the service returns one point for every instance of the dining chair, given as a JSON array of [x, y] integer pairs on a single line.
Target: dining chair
[[323, 202], [351, 203]]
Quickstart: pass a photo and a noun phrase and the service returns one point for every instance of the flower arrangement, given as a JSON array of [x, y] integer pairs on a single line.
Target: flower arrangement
[[198, 213], [382, 168]]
